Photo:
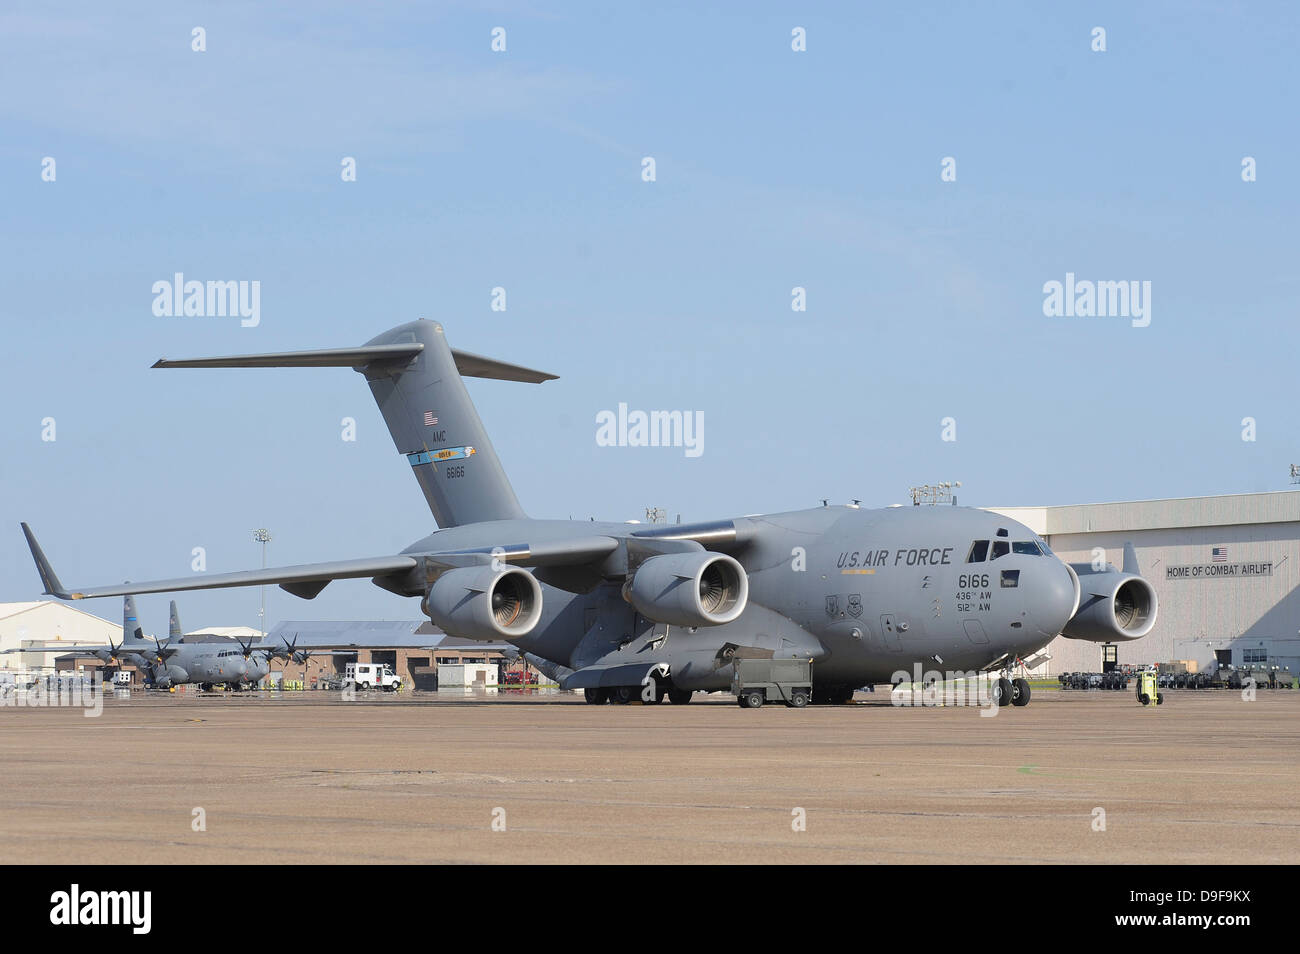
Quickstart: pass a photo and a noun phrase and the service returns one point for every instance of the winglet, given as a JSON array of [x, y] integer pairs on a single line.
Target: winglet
[[48, 579], [1131, 560]]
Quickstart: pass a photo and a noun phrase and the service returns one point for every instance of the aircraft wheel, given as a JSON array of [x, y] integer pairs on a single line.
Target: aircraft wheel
[[596, 697], [1002, 692], [752, 699], [798, 699], [1020, 692], [680, 697], [622, 695]]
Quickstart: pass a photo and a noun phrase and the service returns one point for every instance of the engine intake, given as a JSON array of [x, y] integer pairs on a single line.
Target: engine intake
[[480, 603], [689, 589], [1113, 606]]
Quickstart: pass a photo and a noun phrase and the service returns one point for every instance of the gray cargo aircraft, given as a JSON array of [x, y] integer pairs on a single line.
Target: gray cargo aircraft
[[170, 662], [863, 594]]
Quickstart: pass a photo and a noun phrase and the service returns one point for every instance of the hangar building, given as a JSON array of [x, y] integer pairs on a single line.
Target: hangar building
[[46, 622], [1225, 570]]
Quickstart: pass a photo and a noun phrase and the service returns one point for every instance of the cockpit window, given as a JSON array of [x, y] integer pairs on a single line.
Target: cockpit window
[[979, 551], [1028, 547], [1002, 531], [1000, 548]]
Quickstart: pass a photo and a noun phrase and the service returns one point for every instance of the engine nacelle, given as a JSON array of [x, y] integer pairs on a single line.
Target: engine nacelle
[[478, 602], [1113, 605], [689, 589]]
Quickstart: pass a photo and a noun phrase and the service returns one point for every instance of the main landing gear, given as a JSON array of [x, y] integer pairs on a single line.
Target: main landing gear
[[833, 695], [622, 695], [1010, 692]]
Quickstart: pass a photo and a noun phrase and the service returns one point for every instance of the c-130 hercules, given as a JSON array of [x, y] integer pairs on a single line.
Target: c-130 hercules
[[612, 607]]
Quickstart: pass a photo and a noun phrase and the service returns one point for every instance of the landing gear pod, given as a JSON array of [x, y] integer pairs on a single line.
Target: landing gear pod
[[482, 603], [689, 589]]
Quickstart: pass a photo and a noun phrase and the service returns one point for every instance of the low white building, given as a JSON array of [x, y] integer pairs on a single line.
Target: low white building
[[48, 623], [469, 675]]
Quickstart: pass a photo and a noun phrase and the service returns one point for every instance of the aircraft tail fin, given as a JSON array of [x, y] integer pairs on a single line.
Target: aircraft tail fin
[[416, 379], [173, 622], [131, 629]]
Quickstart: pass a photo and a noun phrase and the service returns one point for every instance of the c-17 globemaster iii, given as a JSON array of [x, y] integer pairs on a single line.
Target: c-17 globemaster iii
[[612, 607]]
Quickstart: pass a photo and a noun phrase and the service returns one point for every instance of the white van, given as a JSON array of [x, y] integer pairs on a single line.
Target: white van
[[373, 676]]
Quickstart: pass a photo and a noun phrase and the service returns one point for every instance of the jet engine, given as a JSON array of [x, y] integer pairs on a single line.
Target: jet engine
[[478, 602], [1113, 605], [689, 589]]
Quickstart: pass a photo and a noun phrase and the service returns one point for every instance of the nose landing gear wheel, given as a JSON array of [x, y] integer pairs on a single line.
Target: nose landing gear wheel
[[1001, 690], [1020, 692], [680, 697]]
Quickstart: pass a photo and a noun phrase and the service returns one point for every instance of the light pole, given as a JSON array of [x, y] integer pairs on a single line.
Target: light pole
[[262, 536]]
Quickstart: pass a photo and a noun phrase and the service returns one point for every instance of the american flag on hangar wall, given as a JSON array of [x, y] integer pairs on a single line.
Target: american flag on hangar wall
[[429, 419], [1219, 554]]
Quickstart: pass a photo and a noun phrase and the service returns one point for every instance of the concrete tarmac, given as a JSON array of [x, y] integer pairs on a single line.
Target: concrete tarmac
[[309, 778]]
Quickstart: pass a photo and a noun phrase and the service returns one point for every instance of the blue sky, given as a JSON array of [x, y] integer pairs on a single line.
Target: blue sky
[[522, 169]]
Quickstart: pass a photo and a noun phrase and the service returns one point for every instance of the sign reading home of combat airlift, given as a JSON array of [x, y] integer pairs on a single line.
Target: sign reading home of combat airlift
[[1218, 571]]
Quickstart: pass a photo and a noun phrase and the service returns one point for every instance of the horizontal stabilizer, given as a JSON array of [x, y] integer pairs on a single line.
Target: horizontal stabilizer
[[469, 365], [325, 358], [477, 366]]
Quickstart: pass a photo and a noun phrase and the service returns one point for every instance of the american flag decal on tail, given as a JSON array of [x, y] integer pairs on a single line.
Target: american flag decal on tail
[[429, 419]]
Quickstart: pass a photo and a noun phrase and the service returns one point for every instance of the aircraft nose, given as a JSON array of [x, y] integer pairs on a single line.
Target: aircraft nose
[[1055, 599]]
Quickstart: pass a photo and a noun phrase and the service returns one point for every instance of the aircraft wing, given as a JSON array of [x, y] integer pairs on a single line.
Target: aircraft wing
[[308, 579], [78, 650], [308, 574]]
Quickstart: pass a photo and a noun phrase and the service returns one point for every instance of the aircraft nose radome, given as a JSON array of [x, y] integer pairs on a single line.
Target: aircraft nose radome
[[1056, 600]]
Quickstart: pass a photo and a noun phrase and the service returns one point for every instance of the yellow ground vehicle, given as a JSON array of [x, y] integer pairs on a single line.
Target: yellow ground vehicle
[[1147, 692]]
